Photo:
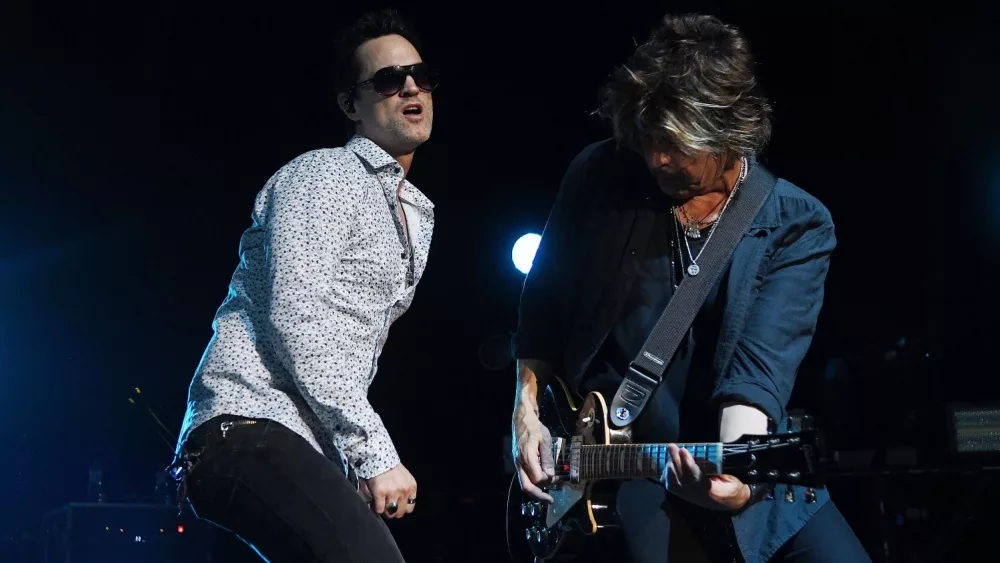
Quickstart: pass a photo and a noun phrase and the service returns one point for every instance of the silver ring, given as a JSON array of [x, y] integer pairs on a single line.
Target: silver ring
[[411, 501], [391, 508]]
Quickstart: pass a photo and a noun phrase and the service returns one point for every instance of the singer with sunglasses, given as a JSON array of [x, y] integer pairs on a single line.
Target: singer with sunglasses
[[280, 444]]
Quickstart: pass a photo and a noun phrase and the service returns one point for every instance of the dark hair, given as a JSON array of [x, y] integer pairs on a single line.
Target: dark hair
[[691, 85], [370, 26]]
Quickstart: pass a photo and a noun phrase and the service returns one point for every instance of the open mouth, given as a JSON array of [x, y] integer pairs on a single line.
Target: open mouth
[[413, 110]]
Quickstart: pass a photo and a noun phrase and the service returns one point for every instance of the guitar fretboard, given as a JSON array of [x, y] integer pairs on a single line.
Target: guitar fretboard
[[614, 461]]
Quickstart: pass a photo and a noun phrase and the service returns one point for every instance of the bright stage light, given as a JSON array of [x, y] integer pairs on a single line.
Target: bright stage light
[[523, 253]]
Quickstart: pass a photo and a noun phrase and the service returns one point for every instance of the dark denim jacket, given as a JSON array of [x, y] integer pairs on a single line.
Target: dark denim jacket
[[580, 279]]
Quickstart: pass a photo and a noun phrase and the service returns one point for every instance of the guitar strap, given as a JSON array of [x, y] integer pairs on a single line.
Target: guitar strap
[[646, 370]]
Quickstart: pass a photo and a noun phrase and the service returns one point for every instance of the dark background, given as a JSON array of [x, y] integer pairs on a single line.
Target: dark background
[[134, 136]]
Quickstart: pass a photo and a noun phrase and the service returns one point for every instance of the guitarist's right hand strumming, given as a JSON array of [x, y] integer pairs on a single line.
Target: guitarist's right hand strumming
[[531, 440]]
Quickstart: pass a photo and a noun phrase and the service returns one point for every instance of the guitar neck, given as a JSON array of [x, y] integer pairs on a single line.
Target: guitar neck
[[623, 461]]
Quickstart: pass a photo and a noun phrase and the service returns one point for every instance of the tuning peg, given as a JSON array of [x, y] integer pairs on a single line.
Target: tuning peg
[[810, 496]]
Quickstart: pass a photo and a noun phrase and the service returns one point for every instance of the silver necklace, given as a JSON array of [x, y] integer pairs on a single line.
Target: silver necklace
[[693, 228], [693, 269]]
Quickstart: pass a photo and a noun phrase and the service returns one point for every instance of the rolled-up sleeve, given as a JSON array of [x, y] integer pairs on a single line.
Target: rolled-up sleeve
[[782, 318], [539, 335], [310, 211]]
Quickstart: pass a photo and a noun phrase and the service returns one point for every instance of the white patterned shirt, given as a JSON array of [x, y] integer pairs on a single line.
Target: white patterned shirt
[[324, 270]]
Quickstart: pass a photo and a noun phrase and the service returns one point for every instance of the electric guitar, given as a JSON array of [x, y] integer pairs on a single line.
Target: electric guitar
[[592, 458]]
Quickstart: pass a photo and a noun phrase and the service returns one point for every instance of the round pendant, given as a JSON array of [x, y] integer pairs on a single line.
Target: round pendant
[[692, 231], [693, 270]]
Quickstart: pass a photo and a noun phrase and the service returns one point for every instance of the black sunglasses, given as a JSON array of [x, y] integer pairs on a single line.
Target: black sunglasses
[[389, 81]]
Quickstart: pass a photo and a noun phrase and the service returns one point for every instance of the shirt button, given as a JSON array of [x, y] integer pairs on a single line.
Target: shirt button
[[632, 252]]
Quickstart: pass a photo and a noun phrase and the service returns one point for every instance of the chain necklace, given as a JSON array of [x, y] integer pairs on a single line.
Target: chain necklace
[[693, 229], [693, 269]]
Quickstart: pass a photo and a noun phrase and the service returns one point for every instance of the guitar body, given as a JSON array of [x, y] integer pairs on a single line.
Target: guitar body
[[565, 530], [592, 459]]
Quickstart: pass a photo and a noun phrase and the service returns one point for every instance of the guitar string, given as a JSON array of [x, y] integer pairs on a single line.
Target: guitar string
[[613, 462]]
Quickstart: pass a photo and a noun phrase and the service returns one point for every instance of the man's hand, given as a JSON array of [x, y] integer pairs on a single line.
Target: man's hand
[[685, 479], [394, 486], [532, 451]]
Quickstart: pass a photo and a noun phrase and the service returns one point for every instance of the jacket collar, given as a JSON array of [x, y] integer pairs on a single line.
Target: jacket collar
[[769, 216]]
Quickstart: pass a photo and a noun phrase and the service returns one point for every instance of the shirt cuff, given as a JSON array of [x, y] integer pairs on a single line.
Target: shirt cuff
[[377, 456], [752, 394]]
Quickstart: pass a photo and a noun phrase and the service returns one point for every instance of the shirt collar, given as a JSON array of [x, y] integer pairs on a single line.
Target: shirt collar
[[377, 161], [373, 155]]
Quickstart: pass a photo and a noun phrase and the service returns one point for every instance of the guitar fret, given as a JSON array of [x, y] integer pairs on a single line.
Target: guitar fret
[[610, 461]]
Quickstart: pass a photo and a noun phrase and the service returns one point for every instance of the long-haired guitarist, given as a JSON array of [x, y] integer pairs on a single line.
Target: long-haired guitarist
[[632, 218]]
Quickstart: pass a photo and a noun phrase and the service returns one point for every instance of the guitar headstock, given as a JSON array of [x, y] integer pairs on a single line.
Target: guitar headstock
[[794, 458]]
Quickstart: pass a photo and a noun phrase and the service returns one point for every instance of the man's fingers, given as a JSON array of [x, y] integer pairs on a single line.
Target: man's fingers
[[379, 503], [531, 489], [528, 457], [669, 477], [690, 466], [411, 494], [545, 452], [675, 458], [400, 507], [365, 492]]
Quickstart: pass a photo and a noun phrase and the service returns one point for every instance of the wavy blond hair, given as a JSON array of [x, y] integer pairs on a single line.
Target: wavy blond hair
[[690, 85]]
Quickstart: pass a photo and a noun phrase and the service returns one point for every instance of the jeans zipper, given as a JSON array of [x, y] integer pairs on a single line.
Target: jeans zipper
[[229, 424]]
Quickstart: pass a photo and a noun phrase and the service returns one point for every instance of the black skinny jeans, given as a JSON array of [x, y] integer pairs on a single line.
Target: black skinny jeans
[[271, 488]]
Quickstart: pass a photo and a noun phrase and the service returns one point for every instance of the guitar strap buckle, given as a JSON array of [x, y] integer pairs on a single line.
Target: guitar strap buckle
[[632, 395]]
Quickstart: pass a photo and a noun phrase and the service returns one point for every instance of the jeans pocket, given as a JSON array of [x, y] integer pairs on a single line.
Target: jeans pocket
[[245, 434]]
